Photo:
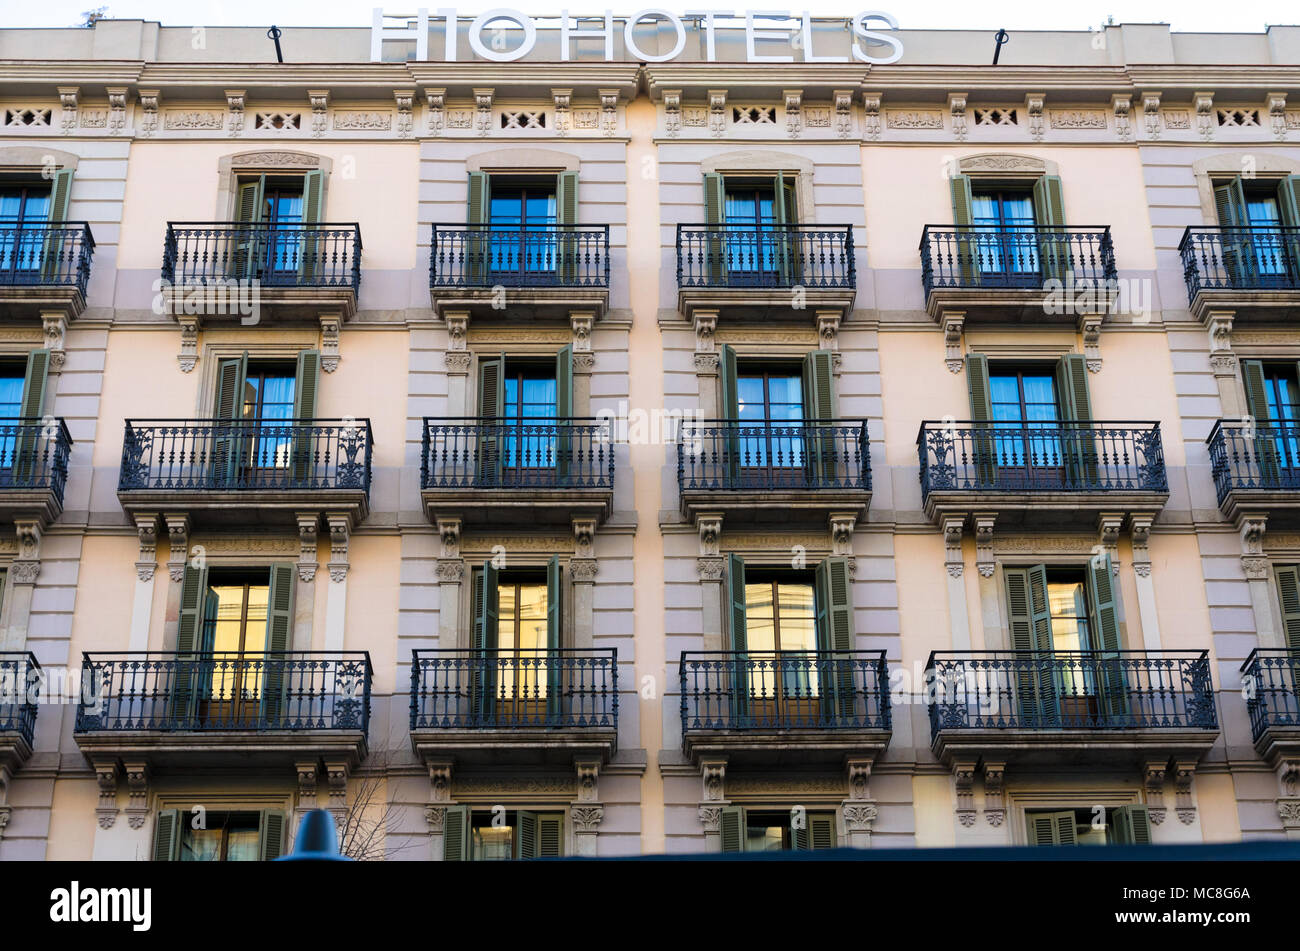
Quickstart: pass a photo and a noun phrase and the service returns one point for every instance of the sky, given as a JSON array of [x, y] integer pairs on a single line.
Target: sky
[[1240, 16]]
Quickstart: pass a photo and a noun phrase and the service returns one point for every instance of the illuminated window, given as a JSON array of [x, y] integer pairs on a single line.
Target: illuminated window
[[229, 837]]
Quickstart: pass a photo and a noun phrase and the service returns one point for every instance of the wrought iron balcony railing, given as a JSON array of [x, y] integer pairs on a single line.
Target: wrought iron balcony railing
[[500, 453], [184, 455], [1270, 681], [773, 454], [264, 692], [274, 255], [20, 688], [1241, 259], [815, 257], [481, 256], [1001, 256], [1264, 454], [1054, 690], [552, 688], [34, 454], [1056, 456], [46, 255], [783, 690]]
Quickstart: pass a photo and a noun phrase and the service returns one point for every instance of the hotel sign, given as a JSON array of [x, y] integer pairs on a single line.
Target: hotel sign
[[505, 35]]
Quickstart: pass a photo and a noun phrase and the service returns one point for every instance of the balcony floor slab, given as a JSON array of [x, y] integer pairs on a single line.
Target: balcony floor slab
[[1093, 746]]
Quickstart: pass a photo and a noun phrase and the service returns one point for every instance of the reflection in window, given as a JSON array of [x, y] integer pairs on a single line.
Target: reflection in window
[[521, 641], [229, 837], [775, 396], [780, 626], [1004, 222]]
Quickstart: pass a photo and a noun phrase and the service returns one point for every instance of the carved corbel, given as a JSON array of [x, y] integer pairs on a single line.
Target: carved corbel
[[954, 322], [106, 778], [713, 774], [336, 778], [1122, 106], [588, 780], [828, 330], [859, 816], [608, 111], [440, 782], [1204, 103], [1153, 779], [188, 358], [584, 537], [871, 107], [842, 525], [330, 325], [995, 806], [1222, 359], [843, 99], [952, 555], [1254, 563], [580, 324], [1090, 329], [1109, 525], [984, 560], [308, 526], [178, 540], [673, 112], [706, 354], [793, 112], [562, 99], [859, 778], [710, 818], [1034, 109], [68, 100], [709, 527], [957, 109], [1276, 104], [405, 99], [1151, 113], [319, 99], [149, 112], [963, 777], [483, 110], [137, 803], [27, 565], [717, 111], [1184, 803], [1141, 532], [436, 101], [456, 357], [146, 527], [235, 106], [449, 530], [340, 526], [117, 109], [305, 770]]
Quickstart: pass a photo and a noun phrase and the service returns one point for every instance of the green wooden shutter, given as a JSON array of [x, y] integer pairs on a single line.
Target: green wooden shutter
[[167, 836], [456, 835], [554, 622], [1077, 451], [228, 443], [27, 449], [566, 213], [491, 411], [306, 453], [739, 638], [1267, 455], [550, 835], [1230, 204], [279, 637], [1049, 212], [248, 246], [730, 390], [1052, 828], [1288, 201], [966, 244], [834, 618], [785, 239], [270, 835], [715, 209], [310, 263], [483, 684], [1131, 825], [1030, 623], [731, 829], [1288, 595], [478, 239], [564, 434], [821, 825], [191, 666], [1109, 663], [55, 246], [313, 188], [525, 834], [984, 444], [819, 407], [1237, 251]]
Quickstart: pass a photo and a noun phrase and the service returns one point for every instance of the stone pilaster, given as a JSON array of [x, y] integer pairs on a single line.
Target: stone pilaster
[[710, 564], [713, 777], [582, 573], [954, 565]]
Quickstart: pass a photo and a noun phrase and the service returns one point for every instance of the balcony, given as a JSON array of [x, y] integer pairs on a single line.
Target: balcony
[[20, 685], [540, 272], [784, 708], [45, 267], [1099, 707], [225, 709], [1001, 274], [33, 468], [1256, 467], [774, 271], [506, 472], [287, 271], [1270, 680], [774, 470], [1254, 272], [1057, 474], [247, 471], [536, 707]]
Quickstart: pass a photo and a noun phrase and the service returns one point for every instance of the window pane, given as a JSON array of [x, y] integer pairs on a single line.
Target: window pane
[[199, 845], [492, 843]]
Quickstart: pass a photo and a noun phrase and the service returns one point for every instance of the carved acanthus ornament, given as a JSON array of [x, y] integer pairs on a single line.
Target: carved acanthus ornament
[[340, 526], [844, 113], [1034, 109], [963, 775], [68, 100], [235, 108], [717, 111], [483, 110], [984, 561], [405, 99], [149, 111], [563, 118], [436, 102], [1122, 106], [954, 344], [673, 112], [330, 325], [608, 111], [178, 540], [146, 527], [952, 529], [957, 109], [1153, 778], [137, 802], [1184, 804], [713, 775], [871, 110], [995, 806], [1204, 102], [1277, 114], [1151, 113], [793, 112], [106, 778], [319, 100]]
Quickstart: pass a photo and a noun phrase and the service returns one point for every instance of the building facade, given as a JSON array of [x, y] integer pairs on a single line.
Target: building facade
[[647, 449]]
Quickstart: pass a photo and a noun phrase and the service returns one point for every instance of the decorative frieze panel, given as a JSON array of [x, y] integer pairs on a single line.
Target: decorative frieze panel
[[278, 121], [996, 116], [193, 120], [753, 115], [523, 119], [28, 117], [363, 121], [1078, 119], [1238, 118], [913, 119]]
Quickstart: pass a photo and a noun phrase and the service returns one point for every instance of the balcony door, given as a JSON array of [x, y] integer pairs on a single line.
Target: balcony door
[[755, 247], [273, 243], [1027, 413], [27, 450], [483, 835], [523, 217], [236, 611], [1008, 234], [24, 213], [262, 433], [516, 676], [526, 422], [1007, 244], [1261, 246], [251, 836], [776, 830], [1273, 399]]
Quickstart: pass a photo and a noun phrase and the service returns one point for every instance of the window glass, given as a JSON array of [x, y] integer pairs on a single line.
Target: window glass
[[229, 837], [11, 390]]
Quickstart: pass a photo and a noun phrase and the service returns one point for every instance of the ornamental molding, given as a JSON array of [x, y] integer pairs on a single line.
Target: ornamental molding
[[858, 816], [710, 817], [1078, 119], [586, 818], [1001, 162], [193, 120], [1032, 544], [275, 158], [546, 786], [1122, 107], [436, 101], [832, 785], [871, 115], [913, 119], [957, 109], [365, 121]]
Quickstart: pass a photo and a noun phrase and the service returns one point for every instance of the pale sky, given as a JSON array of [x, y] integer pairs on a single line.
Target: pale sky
[[1239, 16]]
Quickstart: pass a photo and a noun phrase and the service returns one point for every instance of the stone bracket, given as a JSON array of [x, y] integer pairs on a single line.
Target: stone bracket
[[995, 805], [1090, 330], [963, 775], [1153, 779], [330, 325], [954, 323], [137, 804], [106, 777], [340, 527], [308, 528]]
